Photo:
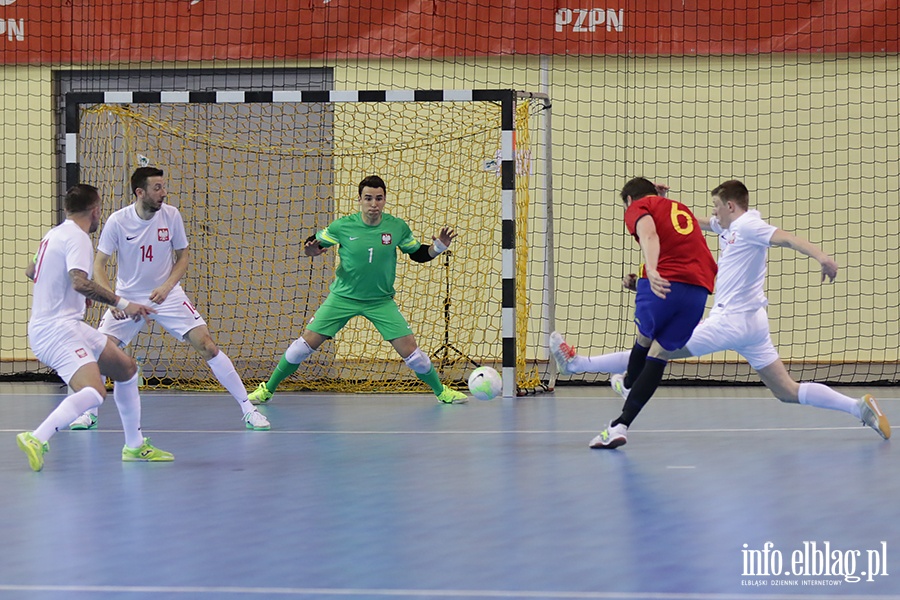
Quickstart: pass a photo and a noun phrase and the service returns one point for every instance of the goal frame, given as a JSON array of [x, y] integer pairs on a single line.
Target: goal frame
[[507, 158]]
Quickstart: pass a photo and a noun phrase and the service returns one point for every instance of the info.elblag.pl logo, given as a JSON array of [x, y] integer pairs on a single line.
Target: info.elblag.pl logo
[[812, 564]]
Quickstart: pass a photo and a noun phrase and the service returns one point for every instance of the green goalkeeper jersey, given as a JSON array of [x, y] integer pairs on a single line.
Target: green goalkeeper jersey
[[368, 255]]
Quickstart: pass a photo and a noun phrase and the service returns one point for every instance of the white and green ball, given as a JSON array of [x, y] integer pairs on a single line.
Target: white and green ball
[[485, 383]]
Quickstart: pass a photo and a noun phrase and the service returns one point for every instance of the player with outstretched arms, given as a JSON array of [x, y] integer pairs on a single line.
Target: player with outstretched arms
[[149, 239], [367, 242]]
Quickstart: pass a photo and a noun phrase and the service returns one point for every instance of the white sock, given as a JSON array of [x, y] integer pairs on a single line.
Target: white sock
[[225, 372], [822, 396], [128, 401], [298, 351], [617, 362], [72, 407]]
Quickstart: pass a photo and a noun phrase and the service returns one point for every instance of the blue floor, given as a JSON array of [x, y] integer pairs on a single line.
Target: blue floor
[[375, 496]]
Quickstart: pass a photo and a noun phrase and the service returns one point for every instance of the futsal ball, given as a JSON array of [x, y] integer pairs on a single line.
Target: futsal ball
[[485, 383]]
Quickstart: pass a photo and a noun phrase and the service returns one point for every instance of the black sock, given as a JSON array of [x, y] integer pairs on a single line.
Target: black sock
[[636, 361], [642, 390]]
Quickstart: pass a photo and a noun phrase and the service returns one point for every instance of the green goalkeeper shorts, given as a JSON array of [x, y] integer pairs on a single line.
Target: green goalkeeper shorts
[[336, 311]]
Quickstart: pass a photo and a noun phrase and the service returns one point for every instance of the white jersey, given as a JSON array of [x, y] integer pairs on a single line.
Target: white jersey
[[743, 250], [145, 249], [63, 248]]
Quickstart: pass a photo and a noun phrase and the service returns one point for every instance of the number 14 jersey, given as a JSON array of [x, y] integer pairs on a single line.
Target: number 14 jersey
[[145, 249]]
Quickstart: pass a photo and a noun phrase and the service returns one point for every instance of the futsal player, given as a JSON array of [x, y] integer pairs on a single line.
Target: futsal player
[[738, 320], [367, 242], [59, 337], [677, 276], [152, 247]]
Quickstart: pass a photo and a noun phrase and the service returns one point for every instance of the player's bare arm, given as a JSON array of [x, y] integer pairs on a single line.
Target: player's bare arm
[[786, 239], [93, 291], [311, 247], [442, 241], [179, 269], [704, 223], [101, 278], [100, 265]]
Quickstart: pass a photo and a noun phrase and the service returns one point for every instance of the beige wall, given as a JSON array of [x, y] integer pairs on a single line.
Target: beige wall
[[816, 138], [26, 170]]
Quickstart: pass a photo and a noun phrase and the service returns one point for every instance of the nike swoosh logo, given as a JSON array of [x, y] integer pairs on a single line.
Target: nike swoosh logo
[[130, 238], [354, 238]]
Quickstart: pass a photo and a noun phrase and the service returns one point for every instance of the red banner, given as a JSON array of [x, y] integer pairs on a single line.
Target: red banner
[[123, 31]]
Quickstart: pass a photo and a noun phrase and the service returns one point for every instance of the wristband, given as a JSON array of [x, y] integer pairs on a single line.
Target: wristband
[[439, 246], [122, 304]]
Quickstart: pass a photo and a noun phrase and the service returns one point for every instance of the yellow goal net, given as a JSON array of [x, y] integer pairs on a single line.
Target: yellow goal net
[[253, 180]]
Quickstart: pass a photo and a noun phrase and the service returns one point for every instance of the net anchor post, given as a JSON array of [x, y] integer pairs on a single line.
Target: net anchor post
[[442, 354]]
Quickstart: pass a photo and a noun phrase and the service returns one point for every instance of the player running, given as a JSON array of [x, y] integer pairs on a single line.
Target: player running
[[738, 320], [678, 275]]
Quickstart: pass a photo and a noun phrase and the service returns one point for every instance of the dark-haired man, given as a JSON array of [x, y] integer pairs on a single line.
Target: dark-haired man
[[59, 337], [738, 320], [151, 245], [677, 276], [368, 242]]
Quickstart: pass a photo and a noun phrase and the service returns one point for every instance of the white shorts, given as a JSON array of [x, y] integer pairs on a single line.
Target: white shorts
[[745, 333], [66, 346], [176, 315]]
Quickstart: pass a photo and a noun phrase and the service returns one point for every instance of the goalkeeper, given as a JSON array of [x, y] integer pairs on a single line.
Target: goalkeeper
[[364, 286]]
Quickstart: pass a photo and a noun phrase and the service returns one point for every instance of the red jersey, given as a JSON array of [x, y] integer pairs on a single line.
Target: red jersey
[[683, 253]]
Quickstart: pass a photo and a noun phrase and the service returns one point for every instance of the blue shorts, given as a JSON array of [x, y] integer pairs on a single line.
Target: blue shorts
[[671, 321]]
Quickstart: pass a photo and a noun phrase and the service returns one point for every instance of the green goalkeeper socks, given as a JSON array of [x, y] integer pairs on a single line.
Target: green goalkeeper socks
[[432, 379], [284, 370]]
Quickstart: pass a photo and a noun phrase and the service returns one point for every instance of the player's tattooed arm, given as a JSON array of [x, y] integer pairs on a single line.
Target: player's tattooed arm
[[90, 289], [96, 292]]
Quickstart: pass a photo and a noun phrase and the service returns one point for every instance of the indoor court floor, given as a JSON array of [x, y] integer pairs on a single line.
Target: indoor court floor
[[720, 493]]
